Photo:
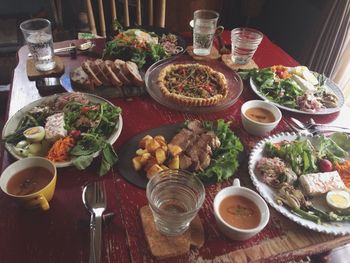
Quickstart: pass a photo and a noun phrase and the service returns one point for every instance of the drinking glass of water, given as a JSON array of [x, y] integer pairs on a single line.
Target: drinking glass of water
[[203, 31], [38, 36], [245, 42], [174, 196]]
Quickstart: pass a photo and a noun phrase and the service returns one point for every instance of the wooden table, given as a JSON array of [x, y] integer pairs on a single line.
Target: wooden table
[[60, 234]]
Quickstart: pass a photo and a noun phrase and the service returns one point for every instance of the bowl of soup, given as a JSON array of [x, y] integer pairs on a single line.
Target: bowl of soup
[[260, 117], [240, 213]]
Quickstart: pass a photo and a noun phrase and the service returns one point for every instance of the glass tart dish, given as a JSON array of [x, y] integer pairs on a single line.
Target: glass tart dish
[[233, 80]]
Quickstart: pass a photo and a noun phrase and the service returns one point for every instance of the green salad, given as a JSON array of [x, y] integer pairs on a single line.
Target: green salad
[[136, 45], [225, 160], [293, 87], [69, 128]]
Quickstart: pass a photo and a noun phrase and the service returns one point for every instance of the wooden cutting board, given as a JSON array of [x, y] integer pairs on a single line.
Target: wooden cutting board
[[162, 246]]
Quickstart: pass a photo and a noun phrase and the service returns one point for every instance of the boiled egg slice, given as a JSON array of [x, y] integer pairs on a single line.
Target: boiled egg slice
[[34, 134], [338, 199], [142, 36]]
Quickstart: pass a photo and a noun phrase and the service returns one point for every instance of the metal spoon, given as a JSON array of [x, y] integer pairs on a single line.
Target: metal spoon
[[88, 199], [82, 47]]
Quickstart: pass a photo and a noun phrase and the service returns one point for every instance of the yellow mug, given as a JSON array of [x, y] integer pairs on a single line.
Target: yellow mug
[[40, 198]]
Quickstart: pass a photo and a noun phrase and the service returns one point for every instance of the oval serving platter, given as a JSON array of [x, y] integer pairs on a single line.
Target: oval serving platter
[[268, 193], [330, 85], [13, 122]]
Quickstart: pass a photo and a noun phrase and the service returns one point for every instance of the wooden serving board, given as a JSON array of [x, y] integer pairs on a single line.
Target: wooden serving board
[[162, 246]]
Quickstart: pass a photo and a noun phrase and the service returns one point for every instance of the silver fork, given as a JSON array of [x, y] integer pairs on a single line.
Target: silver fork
[[98, 208], [298, 130], [318, 128]]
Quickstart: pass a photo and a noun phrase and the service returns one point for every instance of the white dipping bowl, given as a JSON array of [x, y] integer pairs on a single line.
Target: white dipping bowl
[[230, 231], [259, 128]]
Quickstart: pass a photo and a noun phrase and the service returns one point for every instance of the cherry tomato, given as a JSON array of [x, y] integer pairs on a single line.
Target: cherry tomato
[[208, 88], [75, 134], [180, 88]]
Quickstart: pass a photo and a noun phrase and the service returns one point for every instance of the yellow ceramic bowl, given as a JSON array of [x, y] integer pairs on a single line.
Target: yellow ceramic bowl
[[40, 198]]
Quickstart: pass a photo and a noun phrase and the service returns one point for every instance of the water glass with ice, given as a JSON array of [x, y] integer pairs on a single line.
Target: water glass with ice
[[245, 42], [203, 31], [174, 196], [38, 36]]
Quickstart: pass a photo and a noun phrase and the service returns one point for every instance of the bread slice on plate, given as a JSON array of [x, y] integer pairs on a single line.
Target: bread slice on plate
[[80, 79], [108, 67], [132, 73], [87, 67]]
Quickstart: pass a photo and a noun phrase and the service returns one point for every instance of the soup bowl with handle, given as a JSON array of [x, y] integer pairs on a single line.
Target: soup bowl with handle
[[41, 197], [231, 231]]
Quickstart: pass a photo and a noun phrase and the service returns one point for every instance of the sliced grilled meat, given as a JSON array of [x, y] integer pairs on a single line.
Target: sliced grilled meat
[[196, 126], [183, 139]]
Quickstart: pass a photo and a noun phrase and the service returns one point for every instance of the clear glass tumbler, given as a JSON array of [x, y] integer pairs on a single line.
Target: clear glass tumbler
[[38, 36], [203, 31], [245, 42], [174, 196]]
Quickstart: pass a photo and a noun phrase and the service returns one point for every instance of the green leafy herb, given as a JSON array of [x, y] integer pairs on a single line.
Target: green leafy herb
[[225, 159]]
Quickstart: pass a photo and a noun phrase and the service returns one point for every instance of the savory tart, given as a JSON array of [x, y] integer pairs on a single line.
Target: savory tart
[[193, 84]]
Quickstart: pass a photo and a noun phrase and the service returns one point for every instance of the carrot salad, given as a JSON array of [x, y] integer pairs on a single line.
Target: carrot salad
[[344, 172], [59, 150]]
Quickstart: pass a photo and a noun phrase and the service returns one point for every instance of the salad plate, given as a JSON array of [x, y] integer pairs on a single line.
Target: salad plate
[[269, 193], [329, 85], [234, 84], [14, 121], [144, 45]]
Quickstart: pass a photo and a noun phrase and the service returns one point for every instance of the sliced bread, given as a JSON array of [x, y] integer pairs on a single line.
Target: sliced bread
[[118, 69], [132, 73], [87, 67], [80, 79], [101, 72], [108, 66]]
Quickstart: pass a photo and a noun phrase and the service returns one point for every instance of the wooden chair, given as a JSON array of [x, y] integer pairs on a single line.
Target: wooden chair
[[126, 21]]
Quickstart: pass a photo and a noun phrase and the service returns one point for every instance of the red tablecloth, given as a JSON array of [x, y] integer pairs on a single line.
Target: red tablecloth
[[58, 234]]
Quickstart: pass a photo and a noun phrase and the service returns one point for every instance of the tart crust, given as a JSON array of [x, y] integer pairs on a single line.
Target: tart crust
[[195, 100]]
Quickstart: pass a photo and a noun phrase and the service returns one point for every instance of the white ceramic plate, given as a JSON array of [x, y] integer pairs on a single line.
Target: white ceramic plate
[[269, 194], [12, 124], [330, 85]]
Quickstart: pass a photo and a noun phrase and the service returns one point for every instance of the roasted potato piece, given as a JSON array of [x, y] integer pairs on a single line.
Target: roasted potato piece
[[136, 162], [160, 155], [145, 157], [141, 151], [144, 141], [152, 146], [154, 169], [160, 139], [150, 162], [174, 162], [174, 149], [165, 148]]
